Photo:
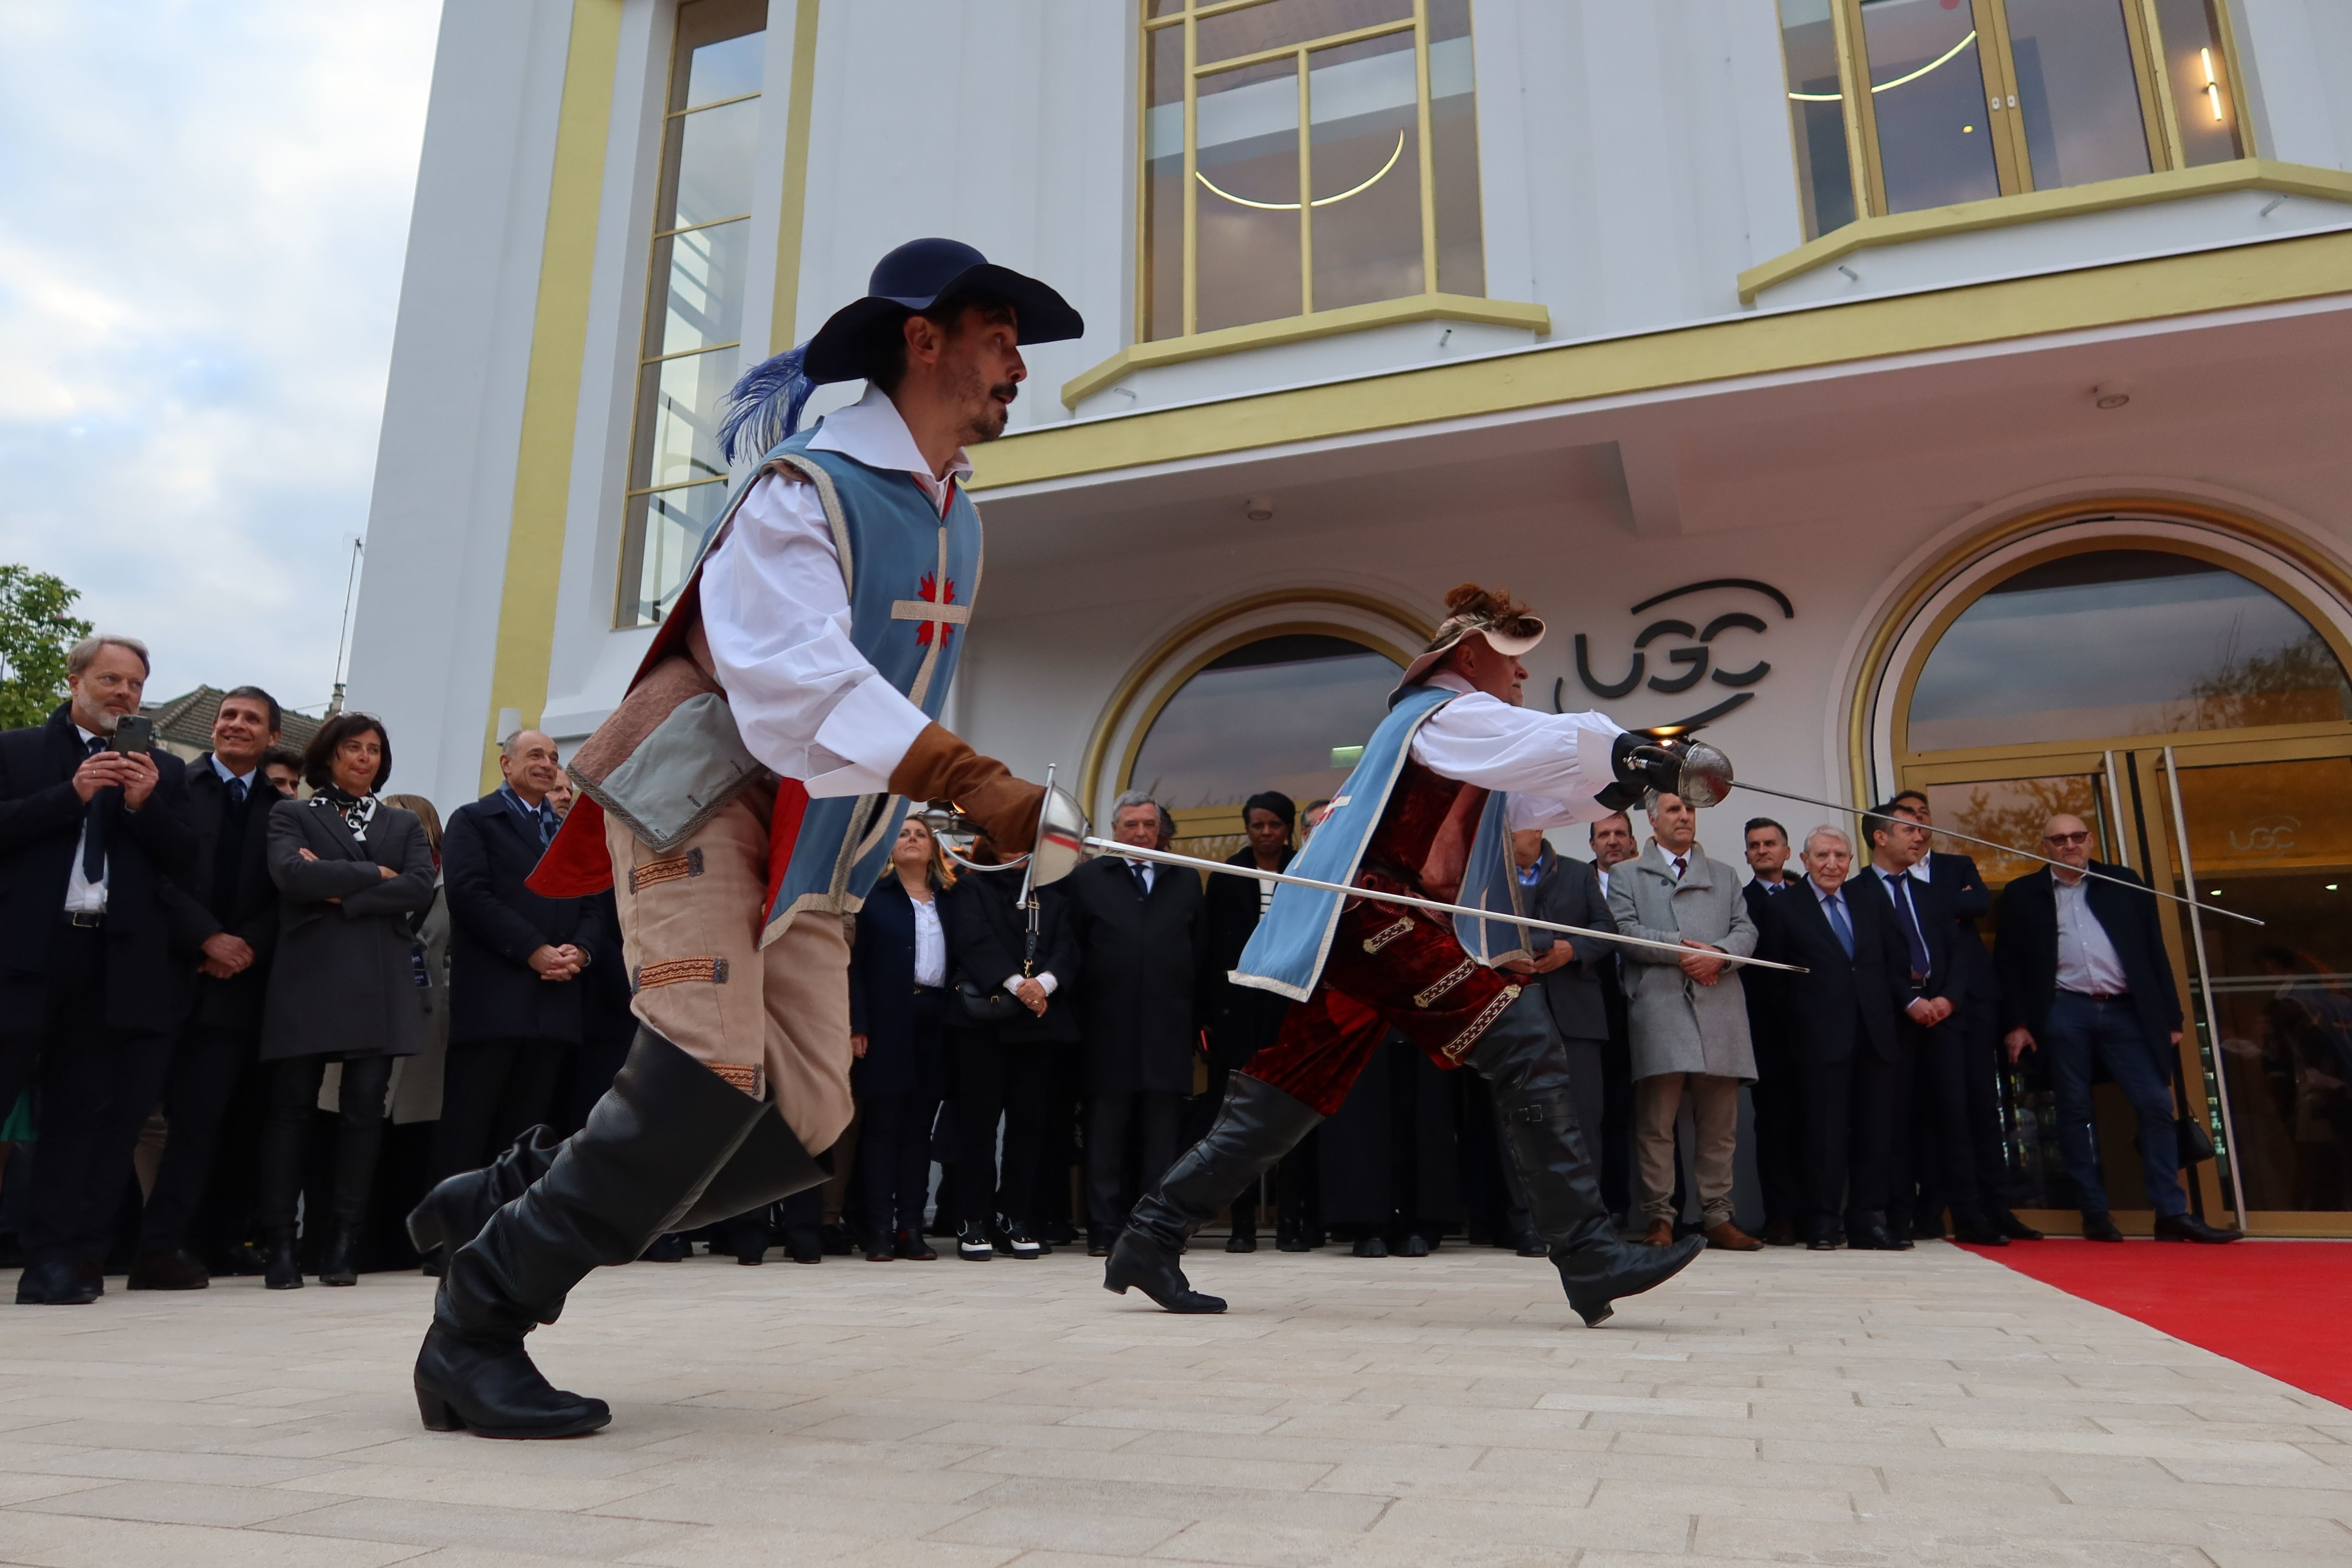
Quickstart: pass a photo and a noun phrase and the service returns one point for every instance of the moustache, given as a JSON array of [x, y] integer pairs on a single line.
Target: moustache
[[1005, 391]]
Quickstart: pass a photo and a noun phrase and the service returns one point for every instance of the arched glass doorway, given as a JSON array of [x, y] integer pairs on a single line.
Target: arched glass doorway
[[2191, 703], [1285, 711]]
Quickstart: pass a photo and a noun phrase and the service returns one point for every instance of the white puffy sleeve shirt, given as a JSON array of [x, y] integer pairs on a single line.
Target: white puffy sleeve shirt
[[776, 614], [1552, 764]]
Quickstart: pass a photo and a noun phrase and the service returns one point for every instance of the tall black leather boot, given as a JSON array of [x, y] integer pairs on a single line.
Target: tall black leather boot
[[647, 1153], [1521, 1054], [1255, 1126], [455, 1211]]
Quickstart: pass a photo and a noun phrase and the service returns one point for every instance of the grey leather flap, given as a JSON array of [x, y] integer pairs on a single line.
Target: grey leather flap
[[679, 776]]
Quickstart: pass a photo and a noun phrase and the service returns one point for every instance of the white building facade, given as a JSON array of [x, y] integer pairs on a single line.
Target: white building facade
[[1932, 394]]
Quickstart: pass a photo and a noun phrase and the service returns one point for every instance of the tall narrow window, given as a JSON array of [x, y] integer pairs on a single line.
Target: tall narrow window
[[694, 301], [1303, 155], [1973, 99]]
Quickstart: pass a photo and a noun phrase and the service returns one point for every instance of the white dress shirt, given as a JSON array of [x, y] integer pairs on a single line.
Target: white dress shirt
[[2086, 959], [931, 944], [84, 897], [1552, 764], [808, 704], [221, 769]]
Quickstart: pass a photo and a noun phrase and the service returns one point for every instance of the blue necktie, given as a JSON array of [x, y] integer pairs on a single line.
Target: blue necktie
[[1835, 907], [1920, 963], [235, 793], [93, 827]]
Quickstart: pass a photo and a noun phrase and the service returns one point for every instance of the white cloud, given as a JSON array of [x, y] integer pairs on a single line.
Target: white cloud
[[201, 235]]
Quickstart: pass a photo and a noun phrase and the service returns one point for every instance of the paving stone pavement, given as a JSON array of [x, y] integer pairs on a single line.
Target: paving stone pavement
[[1852, 1409]]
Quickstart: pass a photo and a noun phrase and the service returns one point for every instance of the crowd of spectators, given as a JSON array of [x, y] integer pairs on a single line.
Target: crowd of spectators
[[254, 1008]]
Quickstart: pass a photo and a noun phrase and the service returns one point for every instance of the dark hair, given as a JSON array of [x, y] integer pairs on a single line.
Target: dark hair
[[882, 352], [1275, 801], [282, 757], [1755, 822], [276, 714], [319, 757], [1598, 820], [1882, 818], [1902, 795]]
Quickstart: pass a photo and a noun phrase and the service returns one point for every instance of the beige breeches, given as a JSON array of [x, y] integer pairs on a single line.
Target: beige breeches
[[767, 1020]]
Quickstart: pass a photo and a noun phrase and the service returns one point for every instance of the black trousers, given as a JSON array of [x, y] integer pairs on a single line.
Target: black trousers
[[492, 1092], [1299, 1189], [1945, 1139], [206, 1065], [1139, 1126], [95, 1085], [1617, 1125], [293, 1092], [1779, 1095], [1850, 1134], [1014, 1084], [893, 1159]]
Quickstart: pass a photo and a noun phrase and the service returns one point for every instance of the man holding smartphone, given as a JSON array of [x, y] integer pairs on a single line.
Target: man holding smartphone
[[88, 991]]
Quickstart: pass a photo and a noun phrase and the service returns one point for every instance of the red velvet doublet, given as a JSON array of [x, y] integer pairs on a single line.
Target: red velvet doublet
[[1393, 967]]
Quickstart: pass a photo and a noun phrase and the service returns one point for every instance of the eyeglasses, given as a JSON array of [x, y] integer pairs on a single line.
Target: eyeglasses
[[2060, 840]]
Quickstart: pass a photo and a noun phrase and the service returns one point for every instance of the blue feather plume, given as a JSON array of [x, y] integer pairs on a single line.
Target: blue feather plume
[[765, 405]]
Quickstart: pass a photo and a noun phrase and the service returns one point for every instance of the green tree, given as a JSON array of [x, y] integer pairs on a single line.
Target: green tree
[[36, 634]]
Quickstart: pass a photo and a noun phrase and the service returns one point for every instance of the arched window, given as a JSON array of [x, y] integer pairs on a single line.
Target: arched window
[[1288, 711], [2115, 643]]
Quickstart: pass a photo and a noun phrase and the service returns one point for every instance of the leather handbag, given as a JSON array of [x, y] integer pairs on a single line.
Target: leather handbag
[[997, 1007]]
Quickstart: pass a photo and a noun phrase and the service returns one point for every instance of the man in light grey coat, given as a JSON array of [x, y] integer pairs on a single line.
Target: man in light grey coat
[[1687, 1018]]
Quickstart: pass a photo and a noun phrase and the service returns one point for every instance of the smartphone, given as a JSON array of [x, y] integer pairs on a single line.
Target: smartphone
[[133, 732]]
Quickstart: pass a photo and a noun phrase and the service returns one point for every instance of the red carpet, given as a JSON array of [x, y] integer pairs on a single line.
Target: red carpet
[[2276, 1306]]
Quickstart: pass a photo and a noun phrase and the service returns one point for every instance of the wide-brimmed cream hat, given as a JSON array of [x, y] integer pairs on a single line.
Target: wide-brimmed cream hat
[[1492, 614]]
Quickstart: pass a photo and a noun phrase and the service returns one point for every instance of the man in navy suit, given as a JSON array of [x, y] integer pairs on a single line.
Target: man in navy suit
[[1778, 1093], [1975, 1103], [2084, 977], [1839, 1020], [516, 994], [89, 991]]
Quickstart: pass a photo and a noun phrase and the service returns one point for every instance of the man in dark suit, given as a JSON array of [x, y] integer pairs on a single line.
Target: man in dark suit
[[89, 993], [224, 912], [1934, 1158], [516, 994], [1975, 1032], [1142, 933], [1240, 1019], [2084, 978], [1776, 1094], [1574, 973], [1839, 1020]]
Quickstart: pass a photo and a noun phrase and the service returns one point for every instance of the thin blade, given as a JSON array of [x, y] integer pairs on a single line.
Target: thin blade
[[1170, 857], [1989, 844]]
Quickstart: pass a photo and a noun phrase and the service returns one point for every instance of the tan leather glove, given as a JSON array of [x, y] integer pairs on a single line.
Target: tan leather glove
[[940, 767]]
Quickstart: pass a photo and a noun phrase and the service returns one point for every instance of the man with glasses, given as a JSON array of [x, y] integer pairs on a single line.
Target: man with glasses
[[2084, 977]]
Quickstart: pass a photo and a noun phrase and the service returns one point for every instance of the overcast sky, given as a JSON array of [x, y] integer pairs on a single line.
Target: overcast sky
[[203, 209]]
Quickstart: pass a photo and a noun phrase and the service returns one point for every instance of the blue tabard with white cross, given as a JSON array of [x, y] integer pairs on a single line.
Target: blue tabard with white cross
[[911, 576]]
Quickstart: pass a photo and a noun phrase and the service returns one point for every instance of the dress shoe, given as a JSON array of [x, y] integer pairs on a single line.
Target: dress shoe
[[882, 1247], [1412, 1243], [1823, 1241], [2016, 1229], [1729, 1237], [1873, 1237], [178, 1269], [53, 1282], [340, 1264], [1530, 1244], [802, 1246], [1140, 1263], [914, 1248], [1290, 1238], [245, 1258], [1780, 1233], [2189, 1227], [1661, 1234], [284, 1273], [668, 1248], [2097, 1227], [491, 1388], [1974, 1230], [1096, 1248], [1369, 1247], [1242, 1241]]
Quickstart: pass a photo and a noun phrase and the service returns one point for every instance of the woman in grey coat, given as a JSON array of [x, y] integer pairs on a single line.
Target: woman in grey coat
[[350, 871], [1688, 1017]]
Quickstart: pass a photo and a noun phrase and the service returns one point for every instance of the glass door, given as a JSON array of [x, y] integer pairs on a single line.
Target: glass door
[[2265, 829]]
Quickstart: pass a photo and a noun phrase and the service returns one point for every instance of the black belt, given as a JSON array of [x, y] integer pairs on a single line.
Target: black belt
[[85, 919], [923, 990], [2095, 995]]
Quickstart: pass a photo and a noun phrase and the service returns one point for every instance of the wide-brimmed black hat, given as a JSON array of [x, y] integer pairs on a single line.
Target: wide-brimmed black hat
[[915, 276]]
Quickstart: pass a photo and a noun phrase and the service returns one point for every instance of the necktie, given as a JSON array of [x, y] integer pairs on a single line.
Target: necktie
[[1835, 907], [93, 828], [235, 793], [1681, 865], [1901, 894], [1142, 887]]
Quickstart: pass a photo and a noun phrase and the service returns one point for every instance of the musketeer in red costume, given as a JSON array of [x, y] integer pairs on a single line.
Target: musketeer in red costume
[[741, 801], [1428, 812]]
